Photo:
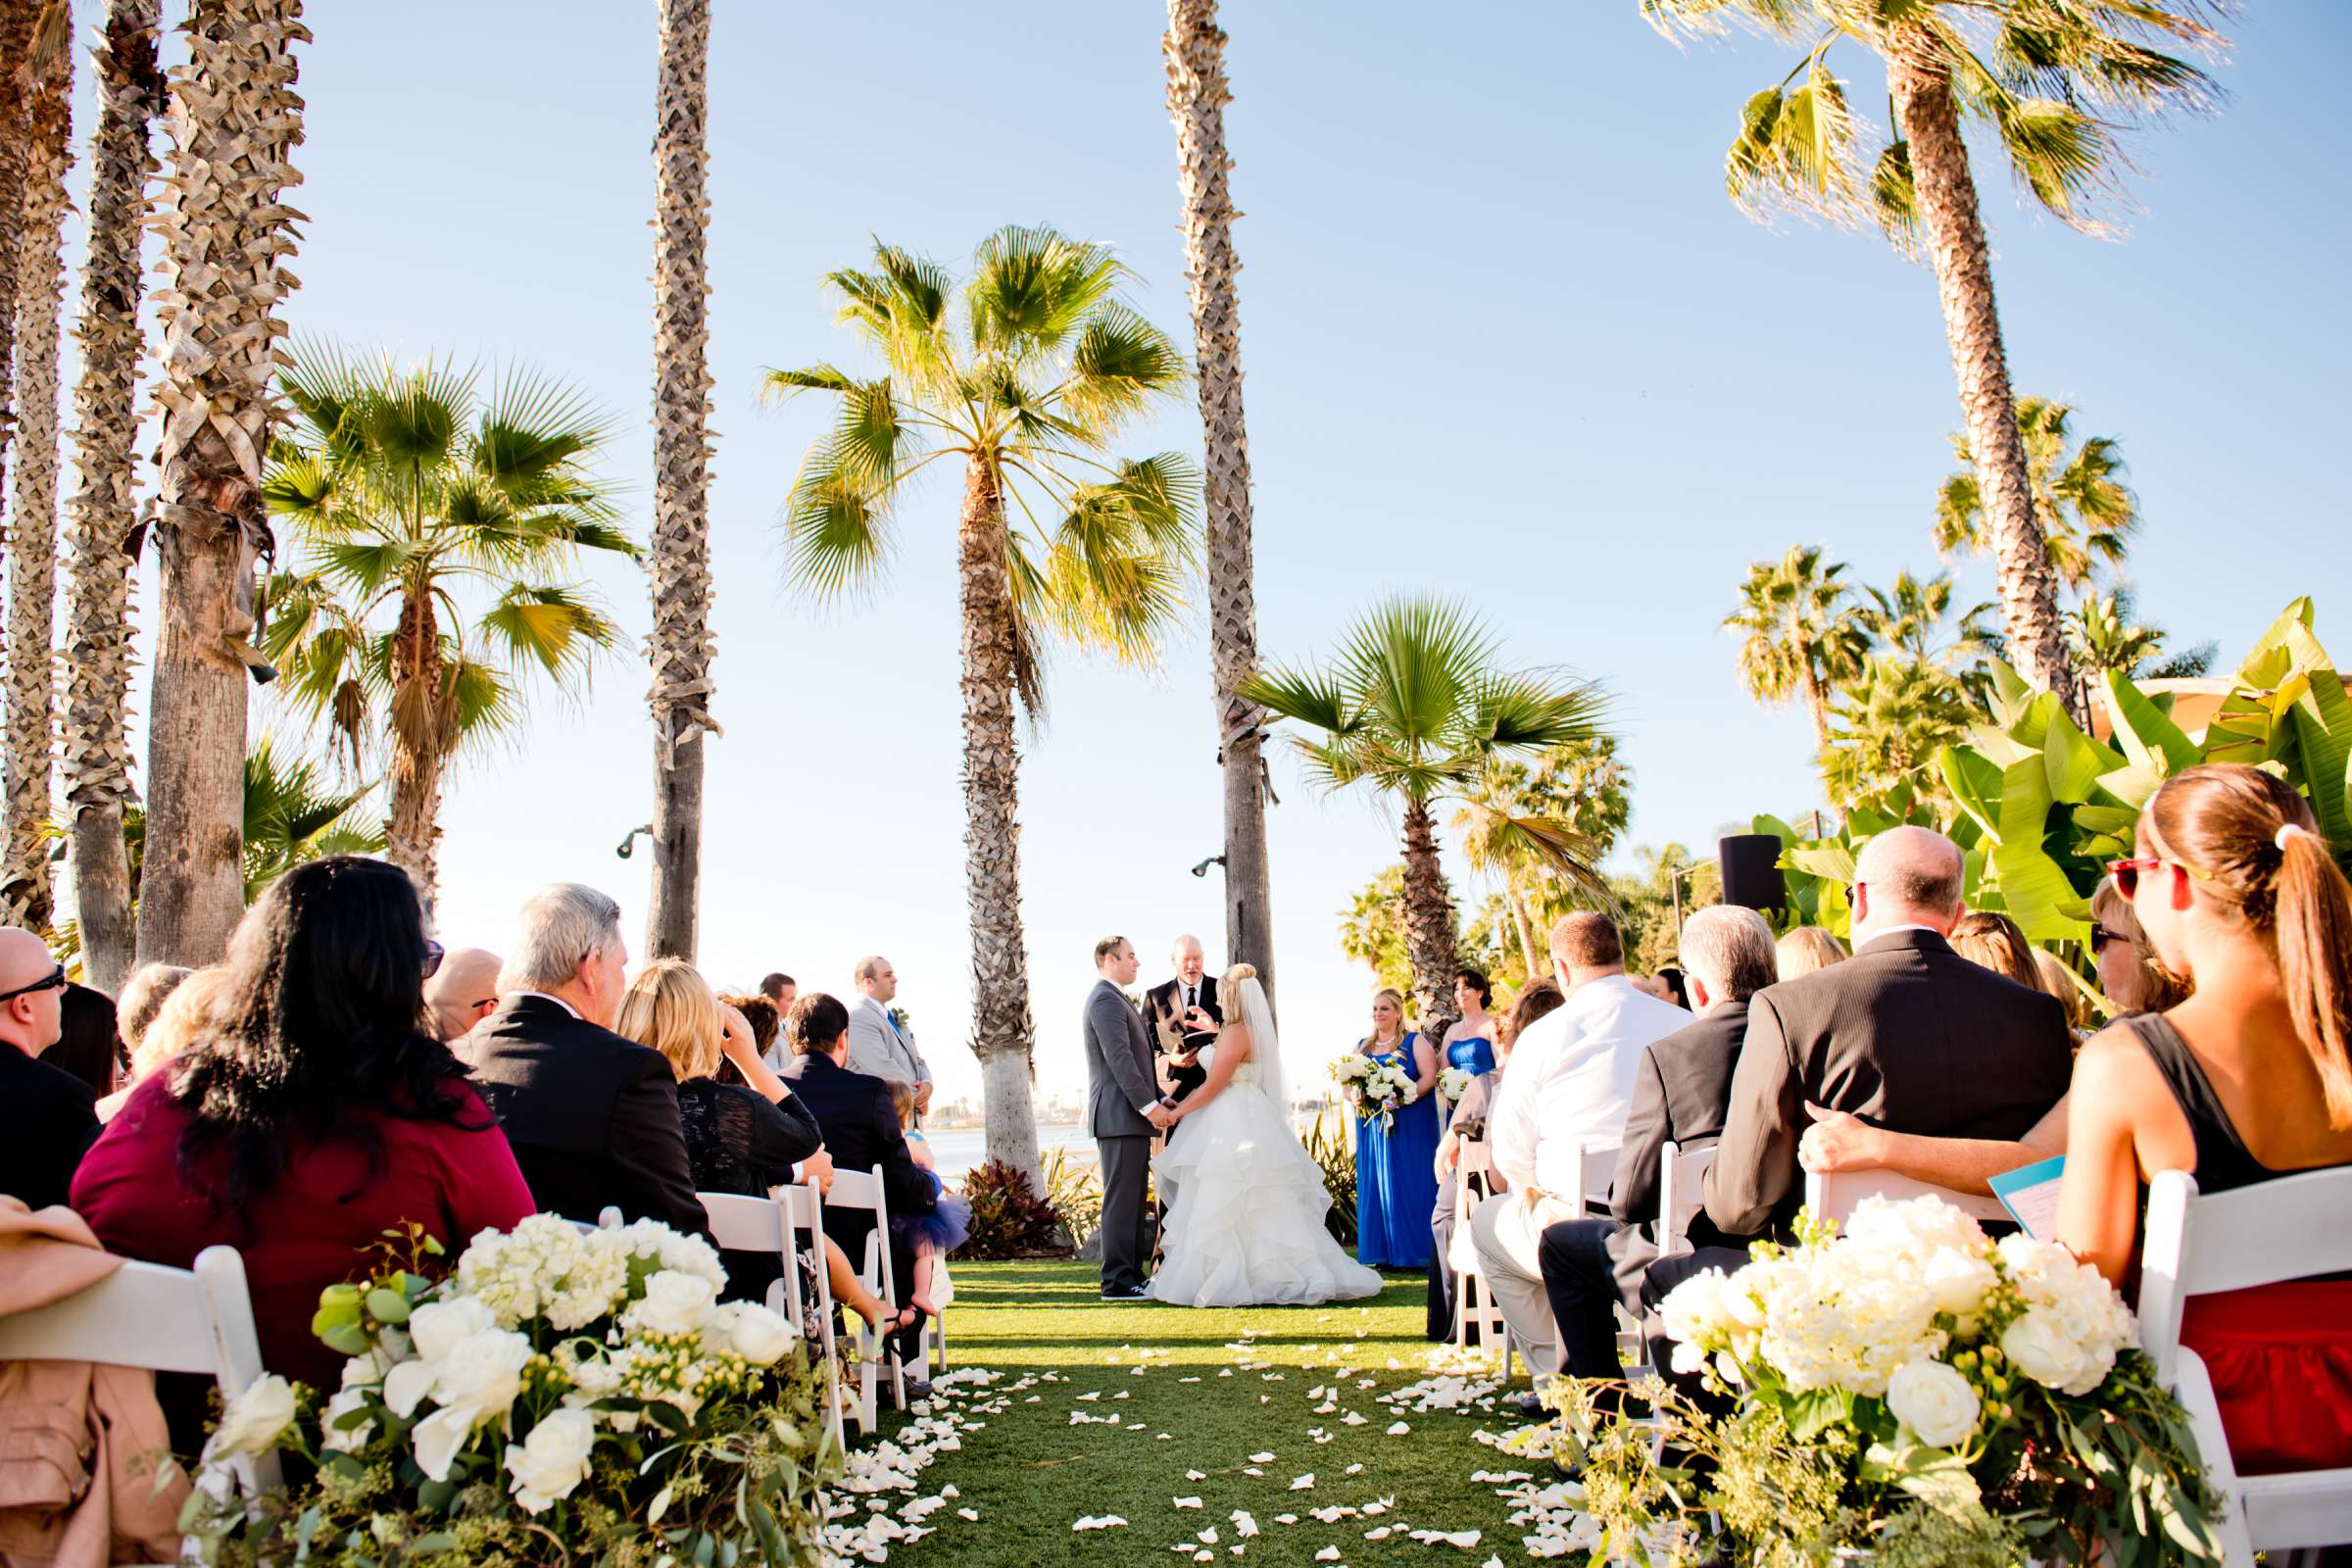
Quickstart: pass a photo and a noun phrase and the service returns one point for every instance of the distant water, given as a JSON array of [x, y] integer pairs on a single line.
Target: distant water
[[962, 1148]]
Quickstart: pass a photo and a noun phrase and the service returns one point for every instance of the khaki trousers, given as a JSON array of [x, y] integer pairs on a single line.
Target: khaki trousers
[[1506, 1230]]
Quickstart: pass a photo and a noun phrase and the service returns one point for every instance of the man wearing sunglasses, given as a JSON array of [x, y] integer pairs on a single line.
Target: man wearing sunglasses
[[50, 1121]]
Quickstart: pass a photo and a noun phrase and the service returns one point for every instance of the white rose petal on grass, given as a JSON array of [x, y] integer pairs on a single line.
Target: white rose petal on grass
[[1183, 1502], [1285, 1518], [1245, 1524], [1304, 1483], [1208, 1537], [1108, 1521], [254, 1419], [1195, 1475], [1261, 1459], [1328, 1554], [971, 1514], [1398, 1429]]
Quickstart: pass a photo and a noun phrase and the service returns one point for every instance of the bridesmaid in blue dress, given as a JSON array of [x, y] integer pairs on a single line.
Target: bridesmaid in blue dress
[[1395, 1165], [1469, 1044]]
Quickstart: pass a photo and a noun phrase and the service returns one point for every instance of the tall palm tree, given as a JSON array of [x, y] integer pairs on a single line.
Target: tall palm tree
[[2048, 79], [233, 123], [25, 40], [1194, 46], [678, 556], [414, 495], [1554, 815], [1416, 707], [39, 284], [1908, 615], [1024, 375], [2087, 514], [95, 749], [1802, 633]]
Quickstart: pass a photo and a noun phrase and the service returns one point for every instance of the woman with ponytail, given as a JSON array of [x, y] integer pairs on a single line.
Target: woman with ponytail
[[2247, 1080]]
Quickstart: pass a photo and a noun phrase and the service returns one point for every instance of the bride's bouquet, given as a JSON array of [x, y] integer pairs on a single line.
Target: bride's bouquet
[[563, 1394], [1375, 1088]]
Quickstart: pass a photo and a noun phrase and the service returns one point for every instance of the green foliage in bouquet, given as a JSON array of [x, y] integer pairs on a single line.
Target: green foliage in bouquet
[[1327, 1140], [1008, 1219], [560, 1398], [1912, 1390]]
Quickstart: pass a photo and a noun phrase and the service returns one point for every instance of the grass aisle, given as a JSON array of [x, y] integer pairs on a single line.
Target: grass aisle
[[1032, 1471]]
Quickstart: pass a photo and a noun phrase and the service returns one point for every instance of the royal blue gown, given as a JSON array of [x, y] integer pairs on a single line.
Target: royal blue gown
[[1396, 1179], [1474, 1055]]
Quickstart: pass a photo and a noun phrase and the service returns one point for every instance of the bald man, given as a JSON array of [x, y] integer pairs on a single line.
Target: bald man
[[1176, 1035], [463, 992], [49, 1111], [1906, 1035]]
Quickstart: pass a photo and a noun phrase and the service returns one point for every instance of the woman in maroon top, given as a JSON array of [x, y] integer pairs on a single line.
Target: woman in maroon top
[[310, 1114]]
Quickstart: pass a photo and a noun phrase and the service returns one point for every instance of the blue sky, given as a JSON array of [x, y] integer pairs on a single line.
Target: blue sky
[[1505, 341]]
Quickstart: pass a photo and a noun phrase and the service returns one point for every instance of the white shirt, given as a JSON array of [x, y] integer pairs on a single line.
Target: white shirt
[[1570, 1082]]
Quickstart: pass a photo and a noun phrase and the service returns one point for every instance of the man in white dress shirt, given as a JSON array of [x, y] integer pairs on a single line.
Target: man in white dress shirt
[[1567, 1089], [877, 1043]]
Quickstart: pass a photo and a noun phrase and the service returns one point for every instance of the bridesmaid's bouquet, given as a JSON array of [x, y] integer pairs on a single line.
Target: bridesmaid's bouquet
[[1454, 1082], [1375, 1088]]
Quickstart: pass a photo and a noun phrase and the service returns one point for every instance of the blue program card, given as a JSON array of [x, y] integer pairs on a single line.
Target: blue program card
[[2030, 1194]]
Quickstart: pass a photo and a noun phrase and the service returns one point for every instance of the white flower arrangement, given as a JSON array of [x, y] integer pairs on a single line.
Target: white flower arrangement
[[1375, 1088], [1453, 1083], [552, 1364]]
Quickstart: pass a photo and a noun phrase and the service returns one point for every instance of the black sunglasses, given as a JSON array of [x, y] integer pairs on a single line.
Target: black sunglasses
[[2100, 935], [434, 952], [54, 980]]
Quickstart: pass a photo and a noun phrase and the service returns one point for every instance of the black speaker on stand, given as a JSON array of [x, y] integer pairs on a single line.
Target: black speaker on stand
[[1752, 872]]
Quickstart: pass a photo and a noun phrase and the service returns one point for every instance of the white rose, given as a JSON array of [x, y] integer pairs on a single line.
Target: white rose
[[1937, 1403], [1694, 1310], [553, 1460], [1958, 1282], [753, 1332], [482, 1375], [2041, 1349], [437, 1327], [253, 1420], [332, 1438], [406, 1384], [438, 1438], [673, 1304]]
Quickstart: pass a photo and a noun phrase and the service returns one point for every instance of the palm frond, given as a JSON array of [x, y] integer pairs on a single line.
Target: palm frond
[[776, 385], [558, 628], [836, 530], [1031, 288], [1120, 364]]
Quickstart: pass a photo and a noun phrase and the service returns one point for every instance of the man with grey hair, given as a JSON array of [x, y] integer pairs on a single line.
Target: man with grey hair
[[1682, 1088], [879, 1043], [592, 1117]]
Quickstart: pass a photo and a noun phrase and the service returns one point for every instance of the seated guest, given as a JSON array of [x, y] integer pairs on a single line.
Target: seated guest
[[593, 1117], [779, 991], [1681, 1092], [860, 1126], [310, 1115], [50, 1116], [766, 1025], [88, 1046], [2058, 981], [185, 1012], [2131, 974], [1569, 1086], [1905, 1035], [2247, 1081], [463, 990], [1535, 999], [1804, 950], [1995, 942], [144, 995]]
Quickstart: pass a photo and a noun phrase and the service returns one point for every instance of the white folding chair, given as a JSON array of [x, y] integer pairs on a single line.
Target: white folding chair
[[804, 1210], [1837, 1197], [740, 1224], [164, 1319], [861, 1191], [1682, 1195], [1473, 1304], [2292, 1228]]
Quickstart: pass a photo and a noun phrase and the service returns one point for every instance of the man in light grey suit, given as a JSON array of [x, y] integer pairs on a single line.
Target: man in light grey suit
[[1125, 1108], [878, 1045]]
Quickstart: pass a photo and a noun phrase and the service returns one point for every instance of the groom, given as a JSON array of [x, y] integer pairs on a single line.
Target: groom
[[1124, 1109]]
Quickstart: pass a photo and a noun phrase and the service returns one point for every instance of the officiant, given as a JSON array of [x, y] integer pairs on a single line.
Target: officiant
[[1174, 1010]]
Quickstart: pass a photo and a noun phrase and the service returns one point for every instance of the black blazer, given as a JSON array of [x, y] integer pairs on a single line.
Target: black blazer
[[1682, 1088], [592, 1116], [1907, 1035], [1164, 1004], [862, 1131], [51, 1126]]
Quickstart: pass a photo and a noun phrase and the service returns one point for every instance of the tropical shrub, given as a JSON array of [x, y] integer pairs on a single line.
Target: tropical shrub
[[1074, 1192], [1327, 1140], [1008, 1218]]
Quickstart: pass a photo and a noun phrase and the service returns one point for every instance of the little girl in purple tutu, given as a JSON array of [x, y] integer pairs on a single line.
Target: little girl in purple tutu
[[934, 1234]]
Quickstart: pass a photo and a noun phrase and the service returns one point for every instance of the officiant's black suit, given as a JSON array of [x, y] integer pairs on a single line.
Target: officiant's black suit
[[1165, 1004]]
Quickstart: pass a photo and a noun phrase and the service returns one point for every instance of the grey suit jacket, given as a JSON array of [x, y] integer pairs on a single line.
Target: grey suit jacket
[[876, 1049], [1120, 1084]]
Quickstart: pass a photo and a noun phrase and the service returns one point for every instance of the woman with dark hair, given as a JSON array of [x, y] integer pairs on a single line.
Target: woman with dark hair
[[88, 1045], [312, 1112], [2246, 1081], [1469, 1042], [1535, 999]]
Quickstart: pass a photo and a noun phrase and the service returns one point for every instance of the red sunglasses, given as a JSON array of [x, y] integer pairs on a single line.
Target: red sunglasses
[[2126, 873]]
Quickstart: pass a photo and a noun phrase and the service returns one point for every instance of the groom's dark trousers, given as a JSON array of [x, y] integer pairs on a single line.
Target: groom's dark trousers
[[1121, 1089]]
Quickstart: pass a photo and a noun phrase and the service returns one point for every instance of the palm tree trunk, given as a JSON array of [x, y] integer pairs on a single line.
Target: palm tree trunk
[[96, 750], [679, 564], [1536, 968], [40, 284], [1431, 936], [421, 744], [1817, 703], [1195, 47], [234, 121], [1003, 1037], [17, 19], [1930, 121]]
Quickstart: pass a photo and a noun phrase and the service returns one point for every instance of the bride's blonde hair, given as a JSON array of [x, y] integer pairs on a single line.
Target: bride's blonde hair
[[1239, 973]]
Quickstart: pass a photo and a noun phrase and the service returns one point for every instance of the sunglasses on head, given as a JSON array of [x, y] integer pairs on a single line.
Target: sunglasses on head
[[54, 980], [2127, 872]]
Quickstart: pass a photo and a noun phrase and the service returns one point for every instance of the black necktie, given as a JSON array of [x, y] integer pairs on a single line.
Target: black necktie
[[1190, 1000]]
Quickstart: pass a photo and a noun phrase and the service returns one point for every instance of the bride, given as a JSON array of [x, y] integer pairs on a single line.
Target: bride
[[1245, 1226]]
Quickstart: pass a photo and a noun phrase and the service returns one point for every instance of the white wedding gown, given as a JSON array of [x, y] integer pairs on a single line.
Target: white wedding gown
[[1244, 1222]]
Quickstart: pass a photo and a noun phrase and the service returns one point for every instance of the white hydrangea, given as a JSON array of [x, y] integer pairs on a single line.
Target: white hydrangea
[[672, 1249], [2075, 1323], [545, 1267]]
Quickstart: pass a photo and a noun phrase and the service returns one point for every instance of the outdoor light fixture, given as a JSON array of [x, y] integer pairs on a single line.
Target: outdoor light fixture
[[1202, 868], [630, 843]]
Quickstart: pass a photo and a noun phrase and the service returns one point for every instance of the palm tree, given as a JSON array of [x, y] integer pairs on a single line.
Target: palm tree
[[95, 749], [1198, 93], [678, 558], [1024, 375], [2087, 514], [233, 123], [1416, 707], [293, 816], [2048, 79], [39, 286], [26, 36], [2106, 634], [1555, 815], [1802, 634], [1909, 615], [412, 493], [1888, 724]]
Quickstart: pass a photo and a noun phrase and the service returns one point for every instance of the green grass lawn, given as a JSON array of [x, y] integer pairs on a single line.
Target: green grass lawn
[[1030, 1473]]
